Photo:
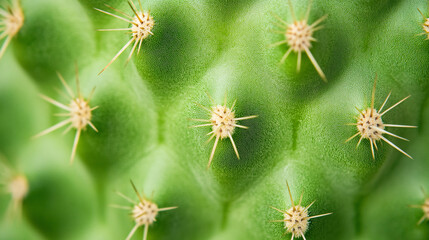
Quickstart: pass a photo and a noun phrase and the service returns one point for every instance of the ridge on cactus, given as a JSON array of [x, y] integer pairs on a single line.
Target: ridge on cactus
[[223, 123], [424, 207], [141, 27], [143, 212], [370, 125], [79, 113], [11, 21], [296, 218], [299, 36]]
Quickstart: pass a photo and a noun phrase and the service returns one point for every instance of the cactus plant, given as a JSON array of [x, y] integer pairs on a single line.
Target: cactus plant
[[146, 107]]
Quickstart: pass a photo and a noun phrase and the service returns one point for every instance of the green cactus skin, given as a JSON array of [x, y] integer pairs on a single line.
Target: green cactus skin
[[217, 47]]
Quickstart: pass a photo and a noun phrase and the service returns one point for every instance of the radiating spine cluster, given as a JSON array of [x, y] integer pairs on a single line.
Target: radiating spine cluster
[[425, 26], [79, 113], [223, 123], [11, 21], [299, 35], [296, 219], [14, 183], [143, 212], [424, 207], [141, 27], [370, 125]]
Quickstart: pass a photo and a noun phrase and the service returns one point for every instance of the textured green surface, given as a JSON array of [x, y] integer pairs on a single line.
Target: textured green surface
[[218, 47]]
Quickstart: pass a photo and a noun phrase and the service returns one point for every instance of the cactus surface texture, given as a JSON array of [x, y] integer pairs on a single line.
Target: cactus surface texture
[[234, 120]]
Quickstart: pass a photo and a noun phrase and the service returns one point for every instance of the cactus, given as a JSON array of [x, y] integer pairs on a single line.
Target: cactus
[[154, 78]]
